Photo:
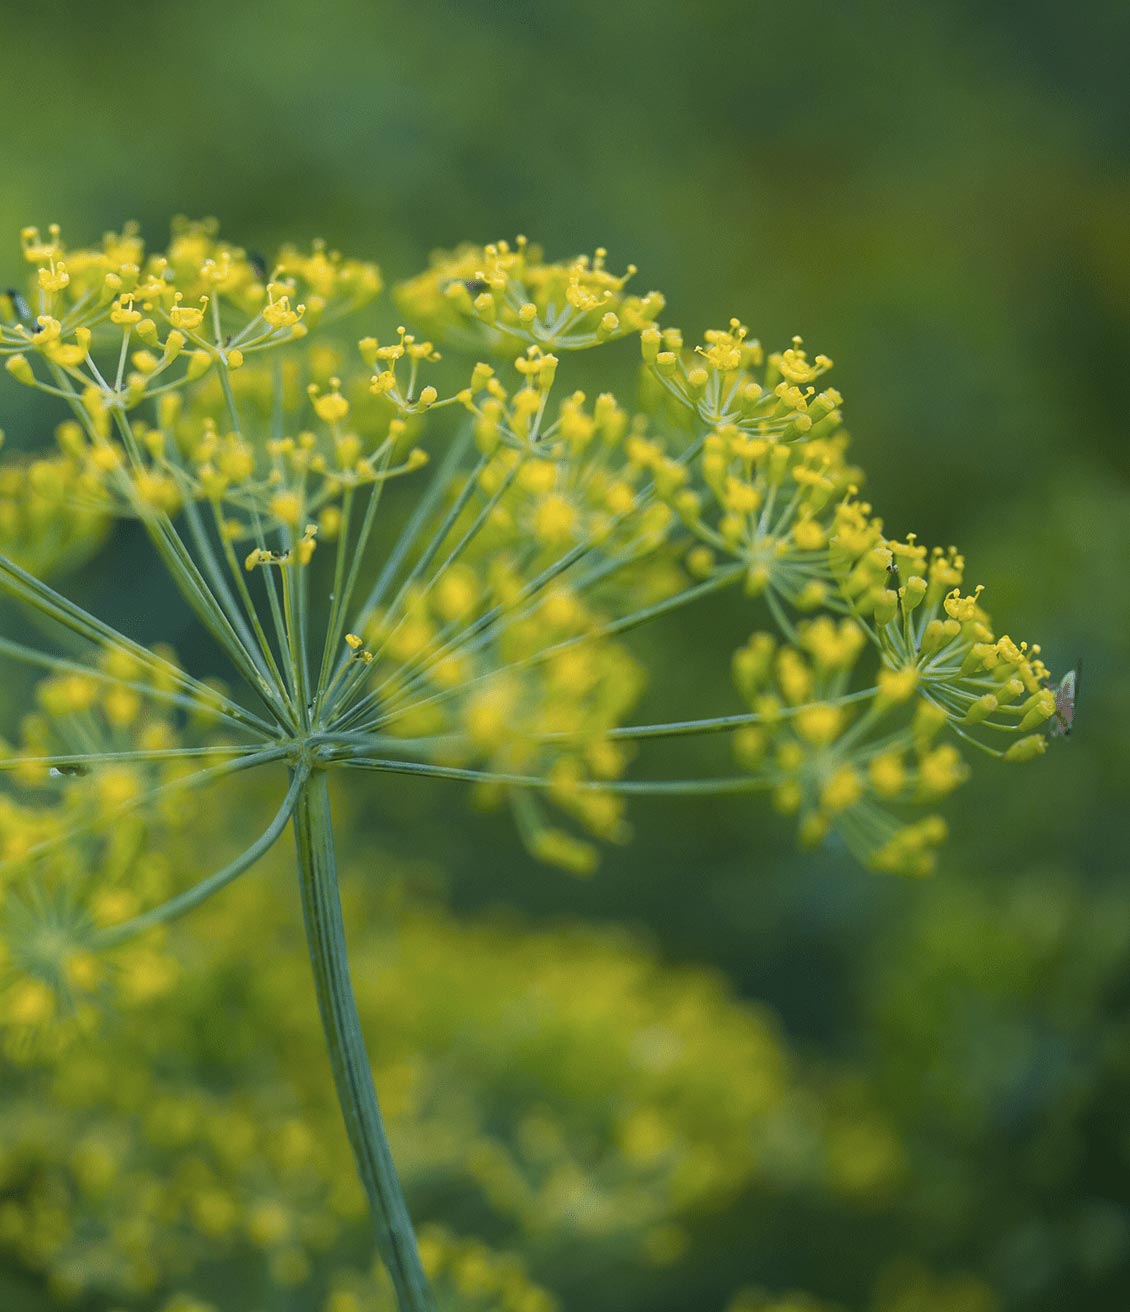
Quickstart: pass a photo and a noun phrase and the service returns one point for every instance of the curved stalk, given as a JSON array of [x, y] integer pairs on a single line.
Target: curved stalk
[[353, 1076], [192, 897]]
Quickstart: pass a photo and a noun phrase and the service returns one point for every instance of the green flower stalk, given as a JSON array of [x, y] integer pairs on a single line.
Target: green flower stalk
[[436, 571]]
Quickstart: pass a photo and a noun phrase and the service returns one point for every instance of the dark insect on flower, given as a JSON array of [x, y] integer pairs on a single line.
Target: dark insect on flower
[[258, 262], [1065, 694], [20, 308]]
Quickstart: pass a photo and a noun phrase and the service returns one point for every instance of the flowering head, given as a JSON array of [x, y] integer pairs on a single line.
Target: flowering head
[[439, 572], [505, 297]]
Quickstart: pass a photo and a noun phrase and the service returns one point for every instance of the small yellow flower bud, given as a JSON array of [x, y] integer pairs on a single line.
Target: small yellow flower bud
[[304, 550], [886, 606], [887, 774], [199, 362], [123, 312], [20, 369], [558, 848], [700, 562], [30, 1002], [1038, 708], [809, 535], [650, 340], [54, 278], [940, 771], [913, 591], [842, 790], [332, 407], [981, 709], [821, 724], [897, 685], [928, 720], [287, 508], [146, 329], [750, 743], [1026, 749]]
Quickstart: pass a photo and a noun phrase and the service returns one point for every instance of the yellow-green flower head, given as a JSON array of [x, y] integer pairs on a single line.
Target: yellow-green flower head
[[113, 324], [927, 628], [766, 503], [506, 297], [728, 380], [48, 524], [840, 757], [101, 770], [436, 566]]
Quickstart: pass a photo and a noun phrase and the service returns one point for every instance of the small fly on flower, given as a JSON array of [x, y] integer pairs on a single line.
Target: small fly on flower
[[258, 262], [20, 308], [1065, 693]]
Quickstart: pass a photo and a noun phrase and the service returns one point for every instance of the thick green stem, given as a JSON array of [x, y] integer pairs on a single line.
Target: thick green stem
[[325, 936]]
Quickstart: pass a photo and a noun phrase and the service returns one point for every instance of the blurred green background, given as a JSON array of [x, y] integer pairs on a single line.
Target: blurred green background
[[936, 195]]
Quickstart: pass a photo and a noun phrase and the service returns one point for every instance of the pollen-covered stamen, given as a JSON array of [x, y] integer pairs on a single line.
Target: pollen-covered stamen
[[356, 645]]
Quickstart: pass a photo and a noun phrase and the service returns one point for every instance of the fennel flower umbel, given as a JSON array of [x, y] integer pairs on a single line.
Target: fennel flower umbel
[[480, 636]]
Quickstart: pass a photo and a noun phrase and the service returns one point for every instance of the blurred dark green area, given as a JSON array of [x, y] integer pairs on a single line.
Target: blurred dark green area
[[936, 195]]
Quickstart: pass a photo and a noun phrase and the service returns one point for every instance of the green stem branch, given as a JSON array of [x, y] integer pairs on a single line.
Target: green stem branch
[[325, 937]]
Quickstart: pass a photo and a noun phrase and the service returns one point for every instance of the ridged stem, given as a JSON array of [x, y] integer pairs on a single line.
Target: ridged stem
[[325, 937]]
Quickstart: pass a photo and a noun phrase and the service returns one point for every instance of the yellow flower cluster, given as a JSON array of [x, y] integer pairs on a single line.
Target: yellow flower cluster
[[729, 380], [510, 706], [45, 524], [113, 324], [114, 328], [841, 760], [766, 503], [101, 777], [510, 297], [492, 645], [939, 640]]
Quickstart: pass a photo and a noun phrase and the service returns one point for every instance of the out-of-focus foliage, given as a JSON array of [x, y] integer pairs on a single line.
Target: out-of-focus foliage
[[599, 1115], [35, 534], [937, 194], [560, 1091]]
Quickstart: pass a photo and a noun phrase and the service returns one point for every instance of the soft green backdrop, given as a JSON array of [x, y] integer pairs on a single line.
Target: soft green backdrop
[[938, 196]]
